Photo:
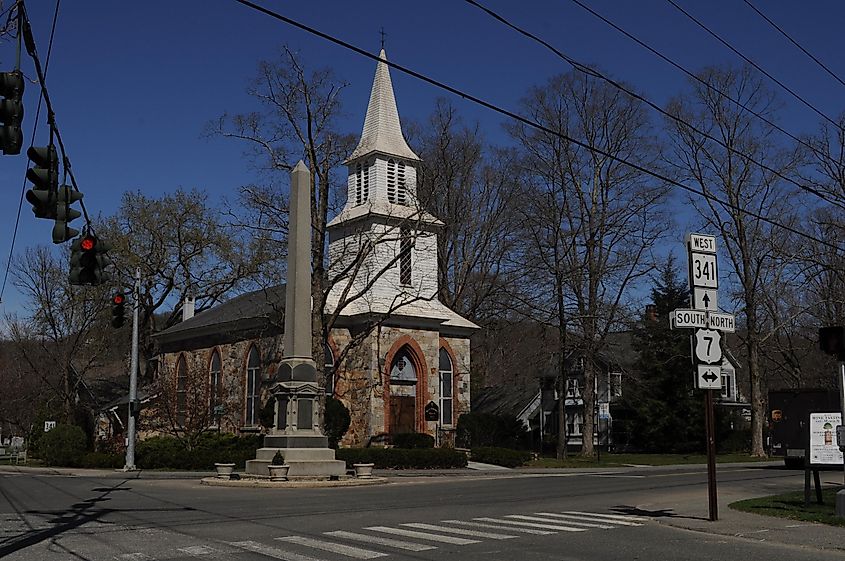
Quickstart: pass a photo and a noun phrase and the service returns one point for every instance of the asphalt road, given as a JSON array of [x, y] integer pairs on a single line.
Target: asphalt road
[[624, 514]]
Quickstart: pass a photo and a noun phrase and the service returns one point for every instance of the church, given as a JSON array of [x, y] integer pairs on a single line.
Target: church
[[399, 358]]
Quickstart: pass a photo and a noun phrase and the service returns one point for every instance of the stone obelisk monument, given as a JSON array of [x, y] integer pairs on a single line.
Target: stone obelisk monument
[[298, 431]]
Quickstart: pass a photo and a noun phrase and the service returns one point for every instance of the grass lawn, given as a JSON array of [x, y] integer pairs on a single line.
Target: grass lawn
[[791, 505], [618, 460]]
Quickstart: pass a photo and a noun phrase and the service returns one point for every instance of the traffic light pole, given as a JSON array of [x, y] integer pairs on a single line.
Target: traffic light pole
[[133, 378]]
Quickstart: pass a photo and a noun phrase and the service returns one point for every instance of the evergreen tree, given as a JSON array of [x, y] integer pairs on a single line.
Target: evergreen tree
[[660, 411]]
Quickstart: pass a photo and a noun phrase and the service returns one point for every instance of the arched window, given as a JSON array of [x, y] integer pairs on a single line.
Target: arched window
[[391, 181], [446, 379], [215, 381], [253, 387], [358, 177], [181, 390], [402, 371], [328, 369], [402, 189]]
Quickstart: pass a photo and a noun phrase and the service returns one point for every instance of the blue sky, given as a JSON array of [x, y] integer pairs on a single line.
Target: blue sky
[[134, 83]]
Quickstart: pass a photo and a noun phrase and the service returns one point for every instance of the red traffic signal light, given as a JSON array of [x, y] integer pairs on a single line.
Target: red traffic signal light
[[118, 299], [88, 243]]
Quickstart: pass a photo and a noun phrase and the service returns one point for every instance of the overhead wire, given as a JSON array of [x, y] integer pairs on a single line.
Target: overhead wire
[[32, 136], [585, 69], [703, 82], [780, 30], [760, 69], [528, 122]]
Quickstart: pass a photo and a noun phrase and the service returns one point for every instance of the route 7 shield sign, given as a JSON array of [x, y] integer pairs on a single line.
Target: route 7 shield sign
[[708, 346]]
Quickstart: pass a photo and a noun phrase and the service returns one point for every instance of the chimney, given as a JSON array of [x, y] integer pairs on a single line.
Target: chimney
[[651, 312], [188, 308]]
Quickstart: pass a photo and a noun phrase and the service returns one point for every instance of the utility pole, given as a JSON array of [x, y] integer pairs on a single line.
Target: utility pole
[[133, 378]]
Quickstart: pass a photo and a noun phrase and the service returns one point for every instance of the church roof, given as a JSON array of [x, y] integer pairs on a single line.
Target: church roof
[[382, 131]]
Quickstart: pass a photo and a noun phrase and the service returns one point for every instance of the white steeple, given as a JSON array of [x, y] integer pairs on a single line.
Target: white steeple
[[382, 131]]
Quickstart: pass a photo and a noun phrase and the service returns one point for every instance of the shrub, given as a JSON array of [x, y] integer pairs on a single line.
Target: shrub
[[413, 440], [485, 429], [102, 460], [170, 453], [500, 456], [278, 459], [336, 420], [400, 458], [64, 445]]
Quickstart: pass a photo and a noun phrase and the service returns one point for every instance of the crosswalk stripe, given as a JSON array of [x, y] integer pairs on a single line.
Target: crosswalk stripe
[[205, 552], [387, 542], [459, 531], [347, 550], [590, 518], [500, 527], [133, 557], [549, 526], [610, 516], [421, 535], [543, 518], [273, 552]]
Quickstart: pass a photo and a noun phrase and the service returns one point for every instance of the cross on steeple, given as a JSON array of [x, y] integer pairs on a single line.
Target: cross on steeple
[[381, 31]]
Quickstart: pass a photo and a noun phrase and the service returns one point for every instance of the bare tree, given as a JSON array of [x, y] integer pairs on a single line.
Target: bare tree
[[754, 248], [61, 339], [590, 222], [472, 189]]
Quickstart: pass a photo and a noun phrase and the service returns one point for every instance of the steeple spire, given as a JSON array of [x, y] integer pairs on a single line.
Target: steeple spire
[[382, 131]]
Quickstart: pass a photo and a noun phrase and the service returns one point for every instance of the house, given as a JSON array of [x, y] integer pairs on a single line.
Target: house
[[394, 350]]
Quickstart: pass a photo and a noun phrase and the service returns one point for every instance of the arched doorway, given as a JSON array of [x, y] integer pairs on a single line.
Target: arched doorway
[[403, 393]]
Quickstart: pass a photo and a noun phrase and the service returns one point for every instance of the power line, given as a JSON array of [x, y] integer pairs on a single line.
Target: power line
[[521, 119], [794, 42], [597, 74], [21, 16], [754, 64], [703, 82]]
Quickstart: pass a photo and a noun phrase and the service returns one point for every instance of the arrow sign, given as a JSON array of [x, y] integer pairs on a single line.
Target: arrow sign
[[708, 377], [705, 298], [708, 346]]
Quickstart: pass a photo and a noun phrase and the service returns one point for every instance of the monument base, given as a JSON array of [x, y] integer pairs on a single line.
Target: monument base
[[305, 455]]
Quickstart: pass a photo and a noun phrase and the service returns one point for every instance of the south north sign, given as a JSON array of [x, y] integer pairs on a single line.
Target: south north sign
[[698, 319]]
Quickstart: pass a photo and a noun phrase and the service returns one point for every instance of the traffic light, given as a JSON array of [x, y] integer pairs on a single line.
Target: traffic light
[[11, 112], [44, 175], [832, 341], [118, 310], [83, 260], [65, 214], [88, 262]]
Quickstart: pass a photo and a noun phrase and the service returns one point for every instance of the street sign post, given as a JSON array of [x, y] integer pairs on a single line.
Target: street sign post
[[709, 324]]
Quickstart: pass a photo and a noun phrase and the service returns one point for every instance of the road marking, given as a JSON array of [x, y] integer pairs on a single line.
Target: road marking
[[618, 517], [546, 516], [388, 542], [620, 476], [500, 527], [548, 526], [205, 552], [273, 552], [347, 550], [459, 531], [133, 557], [421, 535]]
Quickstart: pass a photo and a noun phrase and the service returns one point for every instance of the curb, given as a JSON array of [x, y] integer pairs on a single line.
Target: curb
[[302, 484]]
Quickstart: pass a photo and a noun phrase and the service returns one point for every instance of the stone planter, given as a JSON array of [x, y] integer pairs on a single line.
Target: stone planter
[[363, 471], [279, 473], [224, 470]]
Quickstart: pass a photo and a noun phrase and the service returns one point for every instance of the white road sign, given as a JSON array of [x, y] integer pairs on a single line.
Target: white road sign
[[701, 243], [705, 298], [703, 270], [721, 322], [708, 347], [708, 377], [683, 318]]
